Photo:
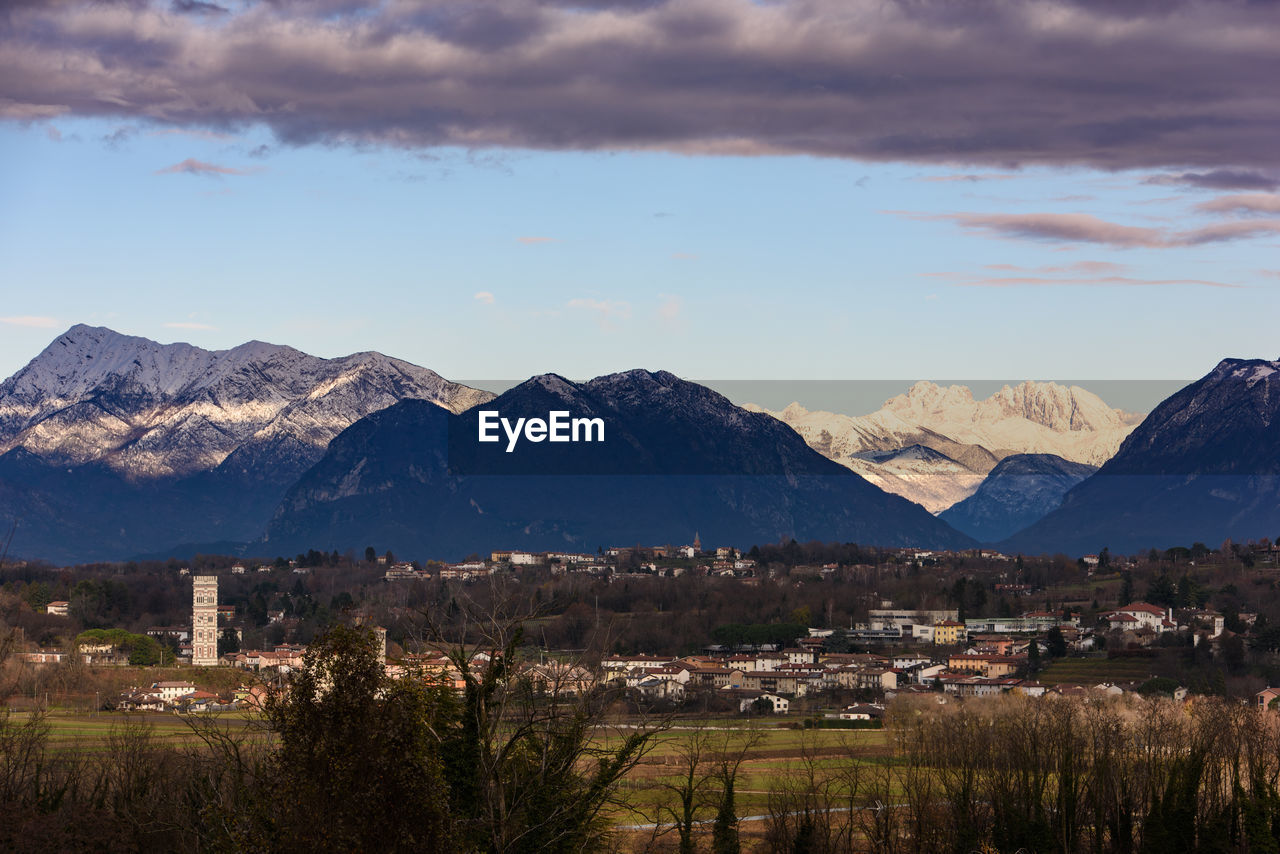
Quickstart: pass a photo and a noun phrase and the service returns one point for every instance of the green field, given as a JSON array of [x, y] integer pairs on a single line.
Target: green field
[[88, 732], [1093, 671]]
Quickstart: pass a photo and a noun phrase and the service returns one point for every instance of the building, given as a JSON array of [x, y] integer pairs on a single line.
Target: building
[[947, 632], [204, 621], [1141, 615], [58, 608], [1264, 698]]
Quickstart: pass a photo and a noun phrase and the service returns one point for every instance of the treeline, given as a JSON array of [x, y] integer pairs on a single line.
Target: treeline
[[346, 759], [1045, 775]]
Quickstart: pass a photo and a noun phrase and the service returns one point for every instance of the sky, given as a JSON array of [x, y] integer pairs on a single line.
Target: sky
[[726, 189]]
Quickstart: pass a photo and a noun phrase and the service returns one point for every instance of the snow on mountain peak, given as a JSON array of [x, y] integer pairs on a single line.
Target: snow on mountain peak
[[1027, 418], [151, 409]]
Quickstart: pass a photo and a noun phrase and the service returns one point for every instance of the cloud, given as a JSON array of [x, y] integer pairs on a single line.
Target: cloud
[[1220, 179], [1228, 231], [1071, 228], [484, 297], [1097, 281], [967, 179], [534, 241], [1091, 267], [606, 311], [197, 7], [30, 321], [683, 256], [1185, 87], [191, 166], [1084, 228], [1243, 203], [194, 133], [188, 324]]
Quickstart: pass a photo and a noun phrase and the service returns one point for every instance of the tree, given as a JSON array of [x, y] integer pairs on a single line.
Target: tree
[[370, 555], [358, 765], [228, 642], [1056, 642], [524, 765]]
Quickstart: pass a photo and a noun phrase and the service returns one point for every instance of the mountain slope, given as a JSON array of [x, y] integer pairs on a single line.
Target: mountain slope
[[1203, 466], [676, 458], [112, 444], [918, 473], [1021, 489]]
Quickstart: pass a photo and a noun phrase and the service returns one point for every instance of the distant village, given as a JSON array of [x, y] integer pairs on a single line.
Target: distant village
[[894, 652]]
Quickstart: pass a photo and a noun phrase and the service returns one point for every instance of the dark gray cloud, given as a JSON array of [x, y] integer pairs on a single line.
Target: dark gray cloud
[[1221, 179], [1182, 86], [198, 7]]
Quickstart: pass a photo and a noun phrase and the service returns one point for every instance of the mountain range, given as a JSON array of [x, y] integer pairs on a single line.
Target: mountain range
[[968, 436], [112, 446]]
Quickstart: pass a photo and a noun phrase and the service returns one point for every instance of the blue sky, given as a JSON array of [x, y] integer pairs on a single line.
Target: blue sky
[[506, 260]]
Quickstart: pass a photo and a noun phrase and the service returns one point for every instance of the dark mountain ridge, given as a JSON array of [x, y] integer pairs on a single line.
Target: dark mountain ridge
[[1203, 466], [677, 457]]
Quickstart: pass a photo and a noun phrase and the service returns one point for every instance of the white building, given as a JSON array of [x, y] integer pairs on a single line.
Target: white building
[[204, 621]]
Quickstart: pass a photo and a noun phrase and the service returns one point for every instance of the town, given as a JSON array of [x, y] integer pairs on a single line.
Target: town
[[860, 627]]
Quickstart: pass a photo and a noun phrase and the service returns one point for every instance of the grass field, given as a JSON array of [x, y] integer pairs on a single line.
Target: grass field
[[778, 750], [1093, 671], [88, 732]]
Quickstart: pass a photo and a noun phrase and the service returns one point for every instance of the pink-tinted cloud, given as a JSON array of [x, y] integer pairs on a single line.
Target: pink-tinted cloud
[[1085, 228], [1243, 203], [191, 166], [1183, 86], [1069, 228], [1090, 267]]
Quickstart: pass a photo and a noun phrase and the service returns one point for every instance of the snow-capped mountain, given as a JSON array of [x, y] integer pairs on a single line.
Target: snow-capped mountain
[[1030, 418], [113, 445], [151, 410]]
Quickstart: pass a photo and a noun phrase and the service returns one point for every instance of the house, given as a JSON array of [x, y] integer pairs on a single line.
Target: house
[[1141, 615], [1264, 698], [859, 712], [57, 608], [169, 692], [781, 705]]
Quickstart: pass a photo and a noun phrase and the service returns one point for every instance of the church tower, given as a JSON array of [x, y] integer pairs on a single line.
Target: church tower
[[204, 621]]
